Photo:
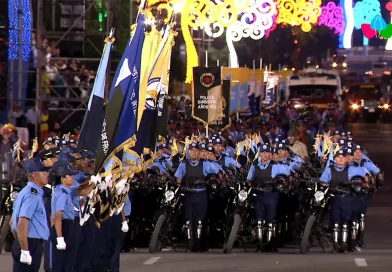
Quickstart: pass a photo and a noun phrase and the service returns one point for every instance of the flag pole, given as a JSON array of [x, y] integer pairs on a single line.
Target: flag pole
[[206, 65]]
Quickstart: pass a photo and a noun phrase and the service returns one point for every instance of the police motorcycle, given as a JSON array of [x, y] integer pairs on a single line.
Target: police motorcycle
[[6, 236], [318, 226], [168, 229], [242, 226]]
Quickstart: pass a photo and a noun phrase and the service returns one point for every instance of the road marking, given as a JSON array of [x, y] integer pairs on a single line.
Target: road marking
[[152, 260], [360, 262]]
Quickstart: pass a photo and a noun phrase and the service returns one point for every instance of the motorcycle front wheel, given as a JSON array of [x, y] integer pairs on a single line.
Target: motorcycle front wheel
[[5, 228], [307, 236], [155, 244], [233, 234]]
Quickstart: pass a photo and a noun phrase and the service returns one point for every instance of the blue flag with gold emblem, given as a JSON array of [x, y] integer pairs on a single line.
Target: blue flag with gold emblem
[[120, 120]]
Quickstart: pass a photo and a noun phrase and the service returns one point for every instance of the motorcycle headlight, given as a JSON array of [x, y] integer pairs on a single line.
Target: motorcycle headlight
[[169, 195], [13, 195], [242, 195], [318, 196]]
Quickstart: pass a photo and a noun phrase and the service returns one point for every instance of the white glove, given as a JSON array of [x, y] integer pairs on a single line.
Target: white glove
[[95, 179], [124, 226], [25, 257], [120, 186], [91, 194], [109, 181], [102, 186], [126, 189], [61, 243]]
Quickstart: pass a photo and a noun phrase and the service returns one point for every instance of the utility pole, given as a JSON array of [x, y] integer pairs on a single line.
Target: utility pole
[[39, 57]]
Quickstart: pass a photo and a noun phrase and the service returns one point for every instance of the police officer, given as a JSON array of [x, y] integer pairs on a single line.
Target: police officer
[[339, 175], [191, 175], [119, 228], [48, 158], [265, 198], [29, 223], [222, 159], [49, 142], [360, 160], [62, 218], [162, 159]]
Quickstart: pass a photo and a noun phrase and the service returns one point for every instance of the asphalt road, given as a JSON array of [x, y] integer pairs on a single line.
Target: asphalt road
[[377, 256]]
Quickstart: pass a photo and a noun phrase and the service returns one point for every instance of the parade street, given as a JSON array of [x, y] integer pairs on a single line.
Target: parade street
[[377, 256]]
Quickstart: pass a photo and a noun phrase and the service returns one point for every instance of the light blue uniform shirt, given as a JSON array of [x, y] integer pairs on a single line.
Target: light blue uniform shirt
[[208, 168], [127, 207], [228, 161], [162, 169], [369, 166], [352, 172], [277, 169], [29, 204], [62, 201]]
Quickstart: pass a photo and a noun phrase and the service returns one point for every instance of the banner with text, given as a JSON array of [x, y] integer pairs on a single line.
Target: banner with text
[[224, 121], [206, 94]]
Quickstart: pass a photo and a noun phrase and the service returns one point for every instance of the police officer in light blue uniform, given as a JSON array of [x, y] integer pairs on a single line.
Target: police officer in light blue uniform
[[191, 175], [222, 159], [29, 222], [63, 216], [362, 161], [119, 224], [287, 165], [339, 175], [162, 159], [265, 198]]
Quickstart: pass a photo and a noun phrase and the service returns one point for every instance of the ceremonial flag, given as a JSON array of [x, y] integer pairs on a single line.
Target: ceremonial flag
[[206, 94], [120, 117], [224, 121], [149, 53], [244, 75], [162, 106], [93, 118], [157, 81]]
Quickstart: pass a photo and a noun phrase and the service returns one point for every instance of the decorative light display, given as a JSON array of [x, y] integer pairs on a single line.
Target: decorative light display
[[101, 14], [13, 33], [13, 29], [364, 12], [255, 22], [332, 17], [301, 13], [388, 7], [345, 39], [26, 30]]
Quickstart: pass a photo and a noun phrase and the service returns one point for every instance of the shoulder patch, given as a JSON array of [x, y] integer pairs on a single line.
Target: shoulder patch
[[34, 191], [64, 191]]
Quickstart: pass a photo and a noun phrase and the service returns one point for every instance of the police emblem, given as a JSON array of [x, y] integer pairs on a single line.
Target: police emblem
[[207, 79]]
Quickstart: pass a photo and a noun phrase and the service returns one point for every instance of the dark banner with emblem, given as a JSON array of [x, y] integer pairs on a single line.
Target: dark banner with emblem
[[224, 121], [206, 94]]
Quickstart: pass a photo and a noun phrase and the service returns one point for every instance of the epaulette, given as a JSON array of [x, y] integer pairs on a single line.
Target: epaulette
[[34, 191], [64, 191]]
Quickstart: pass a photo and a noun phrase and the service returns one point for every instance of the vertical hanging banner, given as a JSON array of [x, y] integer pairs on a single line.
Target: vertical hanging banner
[[233, 74], [243, 82], [259, 90], [206, 94], [270, 91], [224, 121]]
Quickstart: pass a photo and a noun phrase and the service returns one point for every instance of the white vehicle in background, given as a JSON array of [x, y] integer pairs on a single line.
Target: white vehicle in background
[[315, 87]]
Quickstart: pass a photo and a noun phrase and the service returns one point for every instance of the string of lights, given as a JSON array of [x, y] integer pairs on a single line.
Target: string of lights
[[13, 30], [26, 29], [101, 14]]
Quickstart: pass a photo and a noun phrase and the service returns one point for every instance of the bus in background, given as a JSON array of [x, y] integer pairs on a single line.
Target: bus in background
[[315, 87]]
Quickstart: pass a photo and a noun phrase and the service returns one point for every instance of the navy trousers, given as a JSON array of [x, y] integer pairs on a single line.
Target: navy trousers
[[195, 205], [265, 204], [62, 259], [85, 252], [341, 209], [116, 242], [36, 248], [47, 253]]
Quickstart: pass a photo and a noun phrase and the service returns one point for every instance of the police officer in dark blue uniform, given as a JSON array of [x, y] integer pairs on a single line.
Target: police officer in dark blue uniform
[[29, 223], [339, 175], [191, 175], [62, 217]]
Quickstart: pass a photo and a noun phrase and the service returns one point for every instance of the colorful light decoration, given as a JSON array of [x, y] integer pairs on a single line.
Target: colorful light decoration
[[13, 33], [255, 22], [388, 7], [345, 39], [332, 17], [301, 13], [364, 12], [101, 14]]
